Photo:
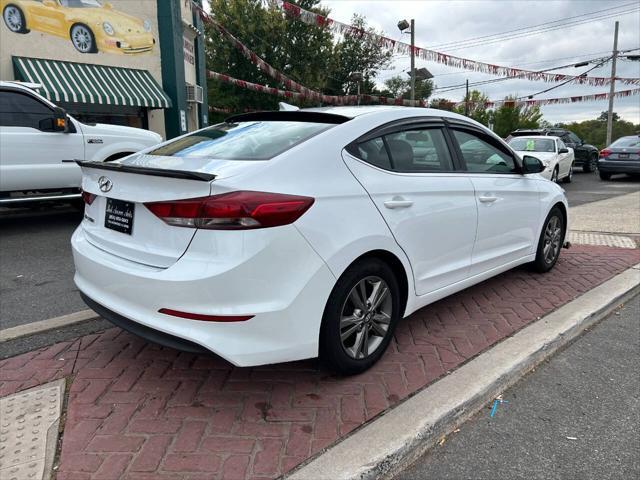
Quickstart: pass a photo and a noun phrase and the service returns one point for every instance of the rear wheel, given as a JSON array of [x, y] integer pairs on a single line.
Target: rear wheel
[[590, 164], [360, 317], [569, 177], [550, 241], [14, 19], [605, 176]]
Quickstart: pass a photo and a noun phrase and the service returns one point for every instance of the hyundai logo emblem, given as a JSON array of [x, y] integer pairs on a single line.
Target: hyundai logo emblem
[[105, 184]]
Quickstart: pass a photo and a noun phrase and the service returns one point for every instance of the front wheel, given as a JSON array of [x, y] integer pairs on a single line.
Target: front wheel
[[550, 241], [360, 317], [83, 39], [554, 175], [605, 176], [569, 177], [590, 164], [14, 19]]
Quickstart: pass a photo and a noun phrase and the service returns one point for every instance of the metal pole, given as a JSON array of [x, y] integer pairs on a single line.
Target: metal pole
[[358, 92], [413, 61], [466, 100], [612, 89]]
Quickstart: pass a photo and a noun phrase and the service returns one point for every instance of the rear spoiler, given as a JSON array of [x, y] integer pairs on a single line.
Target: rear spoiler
[[288, 116], [155, 172]]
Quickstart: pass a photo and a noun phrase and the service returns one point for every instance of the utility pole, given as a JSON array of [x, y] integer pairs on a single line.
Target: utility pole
[[613, 86], [466, 100], [413, 61]]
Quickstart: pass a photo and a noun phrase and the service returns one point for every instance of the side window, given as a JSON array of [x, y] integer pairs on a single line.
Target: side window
[[423, 150], [574, 138], [373, 152], [21, 110], [482, 157]]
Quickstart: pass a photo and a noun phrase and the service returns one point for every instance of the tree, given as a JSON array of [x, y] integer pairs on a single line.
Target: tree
[[354, 54], [399, 87], [443, 104], [511, 116], [477, 107], [604, 116], [594, 131]]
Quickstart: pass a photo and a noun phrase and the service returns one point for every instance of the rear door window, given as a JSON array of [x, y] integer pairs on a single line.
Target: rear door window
[[255, 140]]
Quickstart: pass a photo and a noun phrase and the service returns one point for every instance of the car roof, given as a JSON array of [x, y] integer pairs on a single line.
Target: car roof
[[542, 137]]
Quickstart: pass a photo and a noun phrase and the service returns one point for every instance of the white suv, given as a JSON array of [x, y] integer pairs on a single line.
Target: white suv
[[40, 143]]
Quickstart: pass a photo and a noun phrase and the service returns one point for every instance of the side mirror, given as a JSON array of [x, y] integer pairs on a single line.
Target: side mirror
[[58, 122], [532, 165], [563, 150]]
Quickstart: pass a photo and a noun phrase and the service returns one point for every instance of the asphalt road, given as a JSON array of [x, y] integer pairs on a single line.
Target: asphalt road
[[575, 417], [36, 267]]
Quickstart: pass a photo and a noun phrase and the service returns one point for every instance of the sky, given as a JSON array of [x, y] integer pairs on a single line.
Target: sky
[[443, 22]]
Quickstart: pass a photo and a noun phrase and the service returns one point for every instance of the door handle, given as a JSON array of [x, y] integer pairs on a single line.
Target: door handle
[[487, 198], [398, 202]]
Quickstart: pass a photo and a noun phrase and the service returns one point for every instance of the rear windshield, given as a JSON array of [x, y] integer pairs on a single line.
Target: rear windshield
[[627, 142], [523, 144], [242, 140]]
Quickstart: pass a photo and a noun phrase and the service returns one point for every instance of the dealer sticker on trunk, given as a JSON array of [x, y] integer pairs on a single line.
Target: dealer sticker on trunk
[[119, 215]]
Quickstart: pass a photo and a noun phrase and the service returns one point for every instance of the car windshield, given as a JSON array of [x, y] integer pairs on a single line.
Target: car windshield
[[242, 140], [523, 144], [627, 142], [80, 3]]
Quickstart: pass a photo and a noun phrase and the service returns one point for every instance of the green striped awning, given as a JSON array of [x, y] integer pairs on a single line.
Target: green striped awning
[[74, 82]]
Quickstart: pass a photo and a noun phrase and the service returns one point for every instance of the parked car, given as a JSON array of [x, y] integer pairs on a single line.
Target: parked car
[[39, 144], [622, 156], [586, 156], [90, 25], [279, 236], [554, 154]]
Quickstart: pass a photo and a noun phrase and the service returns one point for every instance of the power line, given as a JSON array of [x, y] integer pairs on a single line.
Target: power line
[[562, 21]]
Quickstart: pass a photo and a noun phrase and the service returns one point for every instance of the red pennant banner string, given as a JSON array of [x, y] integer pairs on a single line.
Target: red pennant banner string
[[294, 11], [300, 96], [557, 101]]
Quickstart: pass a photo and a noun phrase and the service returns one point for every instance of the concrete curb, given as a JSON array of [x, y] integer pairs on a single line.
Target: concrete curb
[[44, 325], [388, 444]]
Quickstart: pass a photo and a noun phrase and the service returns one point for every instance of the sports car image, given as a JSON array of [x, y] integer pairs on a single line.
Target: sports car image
[[91, 25]]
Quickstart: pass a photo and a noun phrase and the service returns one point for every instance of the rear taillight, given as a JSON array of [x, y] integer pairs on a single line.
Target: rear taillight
[[233, 211], [88, 197], [605, 153]]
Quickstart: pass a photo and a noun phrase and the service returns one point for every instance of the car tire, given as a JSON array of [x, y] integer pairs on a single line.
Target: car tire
[[590, 164], [569, 177], [83, 39], [554, 175], [350, 326], [14, 19], [605, 176], [552, 235]]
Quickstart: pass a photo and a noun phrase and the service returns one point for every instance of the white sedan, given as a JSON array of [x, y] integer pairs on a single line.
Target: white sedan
[[557, 158], [279, 236]]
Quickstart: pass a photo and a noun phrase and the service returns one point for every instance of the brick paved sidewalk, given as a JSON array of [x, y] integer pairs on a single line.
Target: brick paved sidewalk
[[139, 411]]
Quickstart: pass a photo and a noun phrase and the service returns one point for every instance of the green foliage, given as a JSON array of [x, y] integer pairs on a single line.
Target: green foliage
[[477, 109], [399, 87], [306, 53], [604, 116], [509, 117], [594, 132], [443, 104]]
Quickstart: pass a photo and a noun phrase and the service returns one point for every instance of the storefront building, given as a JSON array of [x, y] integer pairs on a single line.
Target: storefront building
[[137, 63]]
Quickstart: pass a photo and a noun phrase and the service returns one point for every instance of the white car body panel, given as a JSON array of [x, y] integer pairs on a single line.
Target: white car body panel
[[32, 160], [284, 275]]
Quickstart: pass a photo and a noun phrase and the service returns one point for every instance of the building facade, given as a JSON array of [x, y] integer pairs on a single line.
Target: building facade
[[137, 63]]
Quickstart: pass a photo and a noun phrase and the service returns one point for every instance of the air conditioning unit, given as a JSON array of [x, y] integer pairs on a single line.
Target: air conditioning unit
[[194, 93]]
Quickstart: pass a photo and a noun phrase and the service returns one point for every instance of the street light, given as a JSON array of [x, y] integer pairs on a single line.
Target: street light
[[402, 26]]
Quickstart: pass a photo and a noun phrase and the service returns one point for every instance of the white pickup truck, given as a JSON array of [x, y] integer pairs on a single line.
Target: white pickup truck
[[40, 143]]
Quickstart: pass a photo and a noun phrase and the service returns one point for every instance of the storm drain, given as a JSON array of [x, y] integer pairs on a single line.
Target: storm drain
[[29, 430], [608, 240]]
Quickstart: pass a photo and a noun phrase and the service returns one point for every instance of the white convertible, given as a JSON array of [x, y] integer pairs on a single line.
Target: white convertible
[[557, 158], [40, 143]]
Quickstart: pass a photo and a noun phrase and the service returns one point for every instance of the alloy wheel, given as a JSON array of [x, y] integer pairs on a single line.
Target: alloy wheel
[[13, 18], [552, 239], [365, 317], [82, 38]]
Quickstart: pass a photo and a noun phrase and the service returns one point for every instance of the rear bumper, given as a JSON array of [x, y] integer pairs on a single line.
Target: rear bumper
[[619, 166], [280, 280]]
